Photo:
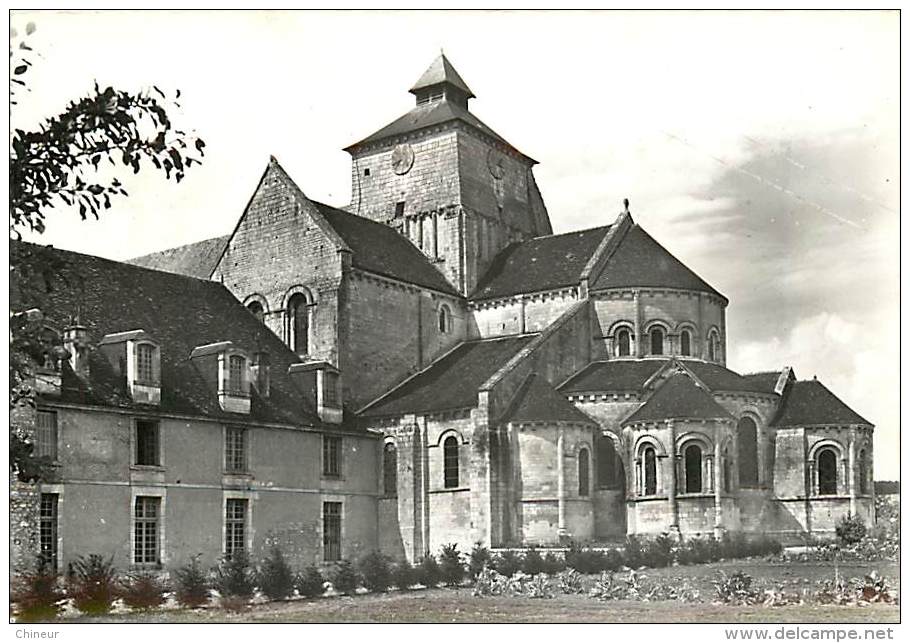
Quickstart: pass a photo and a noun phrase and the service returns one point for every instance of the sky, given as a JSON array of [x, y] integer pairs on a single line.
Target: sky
[[761, 148]]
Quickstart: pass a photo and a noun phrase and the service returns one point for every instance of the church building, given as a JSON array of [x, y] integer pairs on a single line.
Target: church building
[[427, 365]]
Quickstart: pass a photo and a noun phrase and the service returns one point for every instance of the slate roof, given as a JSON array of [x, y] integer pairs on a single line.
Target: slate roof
[[542, 263], [379, 248], [810, 403], [640, 261], [194, 259], [179, 312], [764, 382], [452, 381], [679, 397], [720, 378], [439, 72], [612, 375], [538, 401]]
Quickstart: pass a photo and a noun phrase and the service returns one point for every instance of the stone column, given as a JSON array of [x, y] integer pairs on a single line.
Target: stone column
[[561, 483], [718, 483], [435, 235], [671, 483], [851, 471], [637, 344]]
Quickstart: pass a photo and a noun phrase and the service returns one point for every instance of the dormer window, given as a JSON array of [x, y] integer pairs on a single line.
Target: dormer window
[[236, 372], [227, 369], [145, 354], [136, 356], [320, 384]]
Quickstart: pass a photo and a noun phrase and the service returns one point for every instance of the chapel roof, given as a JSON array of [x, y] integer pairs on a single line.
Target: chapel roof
[[679, 397], [538, 401], [441, 72], [194, 259], [179, 312], [810, 403], [765, 381], [620, 375], [452, 381]]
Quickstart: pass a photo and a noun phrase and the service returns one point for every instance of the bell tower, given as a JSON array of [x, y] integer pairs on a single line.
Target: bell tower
[[444, 179]]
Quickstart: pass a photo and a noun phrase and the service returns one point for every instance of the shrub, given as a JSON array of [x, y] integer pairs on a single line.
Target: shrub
[[586, 561], [451, 568], [532, 563], [374, 571], [570, 582], [192, 585], [92, 584], [553, 564], [659, 551], [428, 573], [343, 577], [507, 563], [310, 582], [735, 588], [614, 560], [275, 578], [143, 590], [233, 577], [850, 530], [633, 552], [479, 558], [403, 575], [37, 594], [540, 587]]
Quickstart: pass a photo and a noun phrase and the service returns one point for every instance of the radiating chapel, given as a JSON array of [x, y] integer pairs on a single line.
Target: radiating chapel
[[430, 364]]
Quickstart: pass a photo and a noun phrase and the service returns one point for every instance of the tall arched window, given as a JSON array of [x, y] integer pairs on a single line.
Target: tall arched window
[[299, 324], [445, 317], [657, 340], [728, 471], [692, 458], [685, 343], [863, 473], [608, 463], [623, 342], [713, 346], [256, 308], [649, 463], [826, 463], [584, 472], [390, 470], [747, 452], [450, 462]]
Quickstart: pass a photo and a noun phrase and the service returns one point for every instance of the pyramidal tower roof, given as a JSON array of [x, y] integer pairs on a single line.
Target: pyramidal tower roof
[[441, 72]]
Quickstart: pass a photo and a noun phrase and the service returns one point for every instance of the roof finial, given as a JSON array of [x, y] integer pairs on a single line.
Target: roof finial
[[625, 203]]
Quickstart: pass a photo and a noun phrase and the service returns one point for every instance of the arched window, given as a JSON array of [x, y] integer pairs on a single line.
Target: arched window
[[747, 452], [692, 457], [450, 462], [299, 324], [728, 471], [713, 346], [256, 308], [685, 343], [863, 473], [657, 340], [623, 342], [649, 462], [826, 463], [390, 470], [445, 319], [584, 472], [608, 464]]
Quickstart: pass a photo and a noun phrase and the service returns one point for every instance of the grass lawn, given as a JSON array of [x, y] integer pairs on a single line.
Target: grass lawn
[[454, 606]]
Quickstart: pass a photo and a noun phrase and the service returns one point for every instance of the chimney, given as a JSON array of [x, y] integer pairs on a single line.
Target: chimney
[[75, 340], [260, 373]]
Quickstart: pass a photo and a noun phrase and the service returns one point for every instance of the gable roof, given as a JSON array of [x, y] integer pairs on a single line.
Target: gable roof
[[193, 260], [679, 397], [378, 248], [542, 263], [440, 72], [612, 375], [641, 261], [720, 378], [452, 381], [809, 403], [765, 381], [179, 312], [537, 401]]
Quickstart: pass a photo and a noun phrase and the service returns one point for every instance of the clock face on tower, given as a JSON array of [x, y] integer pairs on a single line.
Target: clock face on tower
[[402, 158], [496, 164]]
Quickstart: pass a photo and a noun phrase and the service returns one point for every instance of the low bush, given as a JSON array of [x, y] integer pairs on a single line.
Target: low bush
[[343, 577], [451, 569], [659, 551], [539, 586], [735, 588], [507, 563], [234, 578], [274, 577], [584, 560], [428, 573], [850, 530], [375, 572], [532, 563], [553, 564], [92, 584], [143, 590], [37, 595], [570, 582], [403, 575], [192, 584], [310, 583], [478, 559]]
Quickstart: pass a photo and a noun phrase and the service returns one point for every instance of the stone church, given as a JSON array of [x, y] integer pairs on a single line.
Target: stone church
[[428, 365]]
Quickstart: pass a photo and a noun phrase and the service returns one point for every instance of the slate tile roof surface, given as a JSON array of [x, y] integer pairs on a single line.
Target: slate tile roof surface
[[612, 375], [439, 72], [452, 381], [764, 382], [179, 312], [720, 378], [542, 263], [194, 259], [538, 401], [810, 402], [640, 261], [381, 249], [681, 398]]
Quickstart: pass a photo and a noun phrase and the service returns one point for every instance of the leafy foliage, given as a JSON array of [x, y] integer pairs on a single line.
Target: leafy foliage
[[343, 577], [234, 577], [375, 572], [192, 584], [532, 563], [37, 595], [275, 578], [92, 583], [310, 583], [428, 572], [451, 569], [540, 586], [479, 558], [850, 529], [403, 575], [570, 582], [507, 563], [143, 590], [735, 588]]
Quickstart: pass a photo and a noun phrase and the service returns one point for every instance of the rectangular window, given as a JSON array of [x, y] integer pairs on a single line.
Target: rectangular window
[[47, 530], [235, 526], [145, 536], [399, 209], [331, 530], [144, 371], [147, 444], [236, 366], [46, 435], [331, 456], [330, 389], [235, 449]]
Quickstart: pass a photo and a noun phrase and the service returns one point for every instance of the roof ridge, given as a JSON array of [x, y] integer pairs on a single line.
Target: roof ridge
[[171, 248], [563, 234]]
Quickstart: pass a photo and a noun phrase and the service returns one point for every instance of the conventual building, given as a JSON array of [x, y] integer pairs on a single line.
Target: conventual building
[[429, 365]]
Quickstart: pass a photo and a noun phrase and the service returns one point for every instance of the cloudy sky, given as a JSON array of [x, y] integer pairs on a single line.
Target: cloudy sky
[[760, 148]]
